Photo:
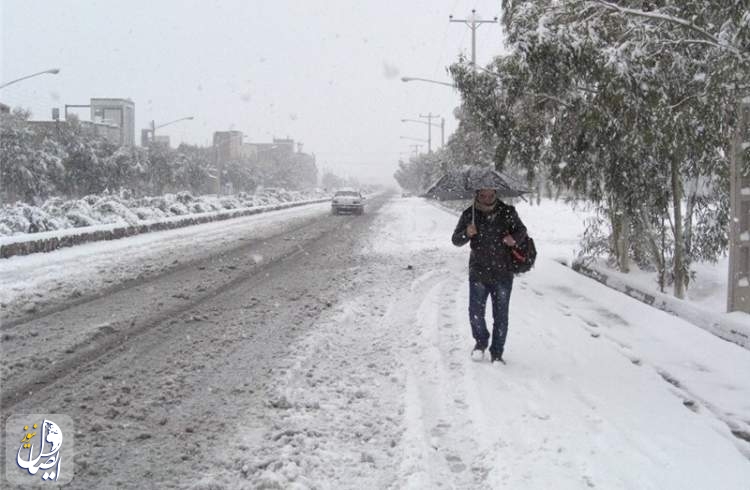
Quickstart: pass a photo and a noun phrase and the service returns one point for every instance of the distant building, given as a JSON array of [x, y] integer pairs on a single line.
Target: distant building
[[145, 137], [279, 147], [162, 139], [284, 144], [110, 132], [120, 112], [4, 109], [227, 145]]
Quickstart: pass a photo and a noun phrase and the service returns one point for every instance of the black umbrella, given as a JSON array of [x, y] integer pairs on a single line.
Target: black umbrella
[[451, 185], [463, 183]]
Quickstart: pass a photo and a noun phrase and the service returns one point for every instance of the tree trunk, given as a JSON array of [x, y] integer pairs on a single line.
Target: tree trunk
[[679, 249], [652, 242], [619, 239], [690, 199], [539, 190]]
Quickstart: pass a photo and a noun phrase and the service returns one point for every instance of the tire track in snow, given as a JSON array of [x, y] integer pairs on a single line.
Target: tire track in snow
[[335, 409]]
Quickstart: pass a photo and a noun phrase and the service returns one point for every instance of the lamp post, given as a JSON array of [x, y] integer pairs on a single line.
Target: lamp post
[[51, 71], [154, 127], [416, 79]]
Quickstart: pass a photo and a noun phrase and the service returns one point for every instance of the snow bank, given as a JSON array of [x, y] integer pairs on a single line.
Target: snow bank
[[26, 229]]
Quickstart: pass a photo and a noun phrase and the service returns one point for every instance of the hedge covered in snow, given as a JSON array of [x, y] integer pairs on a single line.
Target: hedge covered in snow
[[26, 229], [57, 214]]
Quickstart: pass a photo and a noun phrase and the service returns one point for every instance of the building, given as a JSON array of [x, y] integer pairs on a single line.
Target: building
[[4, 109], [162, 139], [286, 145], [227, 145], [110, 132], [279, 147], [145, 137], [120, 112]]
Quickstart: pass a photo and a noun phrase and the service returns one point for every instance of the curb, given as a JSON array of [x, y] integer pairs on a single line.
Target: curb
[[721, 326]]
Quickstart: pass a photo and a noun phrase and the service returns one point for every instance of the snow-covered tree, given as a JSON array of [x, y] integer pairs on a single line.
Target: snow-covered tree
[[192, 169], [629, 104], [331, 181], [421, 171], [127, 168], [161, 169], [29, 164]]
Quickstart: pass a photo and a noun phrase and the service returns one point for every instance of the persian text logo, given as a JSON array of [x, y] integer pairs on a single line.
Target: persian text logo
[[40, 452]]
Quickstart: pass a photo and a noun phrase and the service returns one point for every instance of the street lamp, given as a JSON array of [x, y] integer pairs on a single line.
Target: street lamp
[[415, 79], [154, 127], [51, 71]]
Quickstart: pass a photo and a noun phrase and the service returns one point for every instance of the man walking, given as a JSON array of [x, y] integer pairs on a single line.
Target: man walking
[[492, 228]]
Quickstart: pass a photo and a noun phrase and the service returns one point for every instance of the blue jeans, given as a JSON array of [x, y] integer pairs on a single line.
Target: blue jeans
[[500, 294]]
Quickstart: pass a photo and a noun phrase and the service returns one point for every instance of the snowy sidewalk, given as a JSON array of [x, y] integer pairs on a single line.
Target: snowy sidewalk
[[600, 390]]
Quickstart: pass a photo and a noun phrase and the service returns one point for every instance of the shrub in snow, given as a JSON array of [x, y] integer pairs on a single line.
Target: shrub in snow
[[184, 197], [79, 206], [92, 210], [53, 206], [158, 202], [5, 229], [201, 207], [79, 220], [228, 203], [148, 214], [78, 213], [112, 211], [14, 220], [39, 220], [91, 199]]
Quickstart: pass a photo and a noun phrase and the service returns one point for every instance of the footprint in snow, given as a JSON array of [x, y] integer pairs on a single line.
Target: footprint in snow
[[455, 463], [440, 429]]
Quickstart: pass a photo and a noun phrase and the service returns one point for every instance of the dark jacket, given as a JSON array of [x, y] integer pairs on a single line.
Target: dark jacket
[[490, 258]]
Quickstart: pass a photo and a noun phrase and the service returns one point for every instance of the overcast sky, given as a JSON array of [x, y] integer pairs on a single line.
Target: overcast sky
[[322, 72]]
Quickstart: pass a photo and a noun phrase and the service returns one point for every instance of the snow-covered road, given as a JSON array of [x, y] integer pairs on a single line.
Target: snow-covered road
[[377, 390]]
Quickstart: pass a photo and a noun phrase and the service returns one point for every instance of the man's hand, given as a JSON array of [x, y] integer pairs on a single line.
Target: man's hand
[[509, 240], [471, 230]]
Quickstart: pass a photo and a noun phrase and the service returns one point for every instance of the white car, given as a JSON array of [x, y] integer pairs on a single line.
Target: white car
[[348, 201]]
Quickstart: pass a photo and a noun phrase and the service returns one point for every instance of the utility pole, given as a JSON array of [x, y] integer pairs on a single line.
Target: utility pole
[[429, 117], [416, 149], [739, 214], [473, 24], [441, 125]]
